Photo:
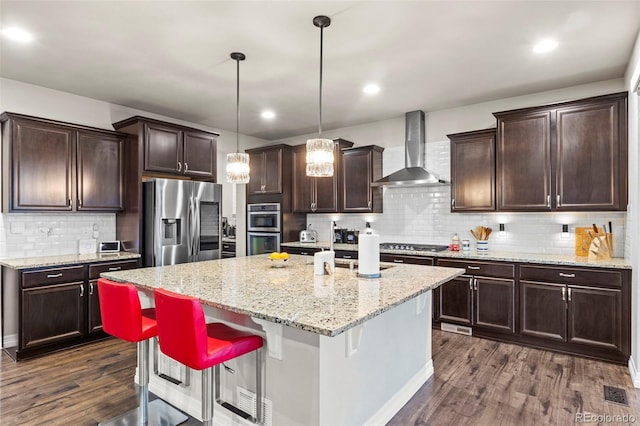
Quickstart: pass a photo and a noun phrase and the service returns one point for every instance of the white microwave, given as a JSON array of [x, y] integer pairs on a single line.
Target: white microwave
[[109, 246]]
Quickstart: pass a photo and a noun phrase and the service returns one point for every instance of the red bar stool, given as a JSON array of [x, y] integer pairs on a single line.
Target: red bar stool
[[186, 337], [123, 317]]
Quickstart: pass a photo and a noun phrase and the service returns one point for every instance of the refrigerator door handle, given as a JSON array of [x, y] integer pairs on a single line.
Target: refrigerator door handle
[[197, 230], [189, 227]]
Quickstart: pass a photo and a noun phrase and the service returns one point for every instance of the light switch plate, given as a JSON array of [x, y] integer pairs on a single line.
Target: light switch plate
[[87, 246]]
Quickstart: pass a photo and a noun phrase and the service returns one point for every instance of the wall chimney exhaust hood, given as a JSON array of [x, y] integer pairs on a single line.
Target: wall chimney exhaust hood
[[414, 172]]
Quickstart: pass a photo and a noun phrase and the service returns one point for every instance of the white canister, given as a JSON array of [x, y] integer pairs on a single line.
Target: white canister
[[482, 246]]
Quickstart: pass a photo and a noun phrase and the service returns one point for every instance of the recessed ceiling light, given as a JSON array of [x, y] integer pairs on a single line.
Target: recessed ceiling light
[[17, 34], [545, 45], [371, 89], [268, 115]]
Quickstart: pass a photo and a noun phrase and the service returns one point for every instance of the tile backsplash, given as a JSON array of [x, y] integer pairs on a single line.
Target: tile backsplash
[[48, 234]]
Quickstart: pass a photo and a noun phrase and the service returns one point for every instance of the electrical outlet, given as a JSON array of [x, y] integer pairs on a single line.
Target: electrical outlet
[[17, 228]]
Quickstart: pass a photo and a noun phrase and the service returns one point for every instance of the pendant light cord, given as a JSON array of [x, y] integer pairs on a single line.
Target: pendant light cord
[[320, 96], [237, 105]]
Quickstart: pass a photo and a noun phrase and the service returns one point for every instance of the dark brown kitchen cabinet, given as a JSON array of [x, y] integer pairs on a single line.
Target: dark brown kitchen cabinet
[[179, 151], [303, 251], [569, 156], [483, 298], [266, 169], [317, 194], [579, 310], [54, 166], [360, 167], [100, 172], [473, 171], [58, 307]]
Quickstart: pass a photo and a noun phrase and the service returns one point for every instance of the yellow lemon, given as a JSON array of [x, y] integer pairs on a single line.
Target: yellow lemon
[[284, 255], [275, 255]]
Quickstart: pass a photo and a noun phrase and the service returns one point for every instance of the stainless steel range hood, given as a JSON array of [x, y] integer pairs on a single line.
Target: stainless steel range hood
[[414, 173]]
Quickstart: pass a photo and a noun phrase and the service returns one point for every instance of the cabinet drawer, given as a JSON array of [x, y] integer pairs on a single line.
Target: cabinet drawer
[[53, 276], [229, 247], [97, 269], [417, 260], [346, 254], [301, 250], [569, 275], [488, 269]]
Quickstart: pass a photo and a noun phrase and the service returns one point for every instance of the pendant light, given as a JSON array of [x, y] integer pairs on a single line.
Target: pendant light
[[238, 162], [320, 150]]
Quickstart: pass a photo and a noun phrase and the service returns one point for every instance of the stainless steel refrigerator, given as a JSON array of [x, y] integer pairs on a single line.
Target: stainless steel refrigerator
[[182, 221]]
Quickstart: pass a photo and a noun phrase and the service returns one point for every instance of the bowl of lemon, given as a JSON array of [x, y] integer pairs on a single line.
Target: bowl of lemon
[[278, 260]]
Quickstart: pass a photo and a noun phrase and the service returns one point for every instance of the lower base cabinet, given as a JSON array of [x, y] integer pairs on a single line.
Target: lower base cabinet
[[59, 307]]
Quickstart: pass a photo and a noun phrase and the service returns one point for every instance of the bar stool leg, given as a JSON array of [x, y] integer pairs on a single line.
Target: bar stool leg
[[207, 397], [259, 361], [143, 378], [233, 408]]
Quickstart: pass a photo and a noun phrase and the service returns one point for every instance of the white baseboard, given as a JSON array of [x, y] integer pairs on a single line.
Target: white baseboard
[[635, 374], [10, 340], [400, 399]]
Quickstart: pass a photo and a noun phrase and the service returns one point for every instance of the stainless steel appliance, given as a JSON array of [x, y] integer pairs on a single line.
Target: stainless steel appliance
[[413, 247], [309, 235], [182, 221], [263, 226]]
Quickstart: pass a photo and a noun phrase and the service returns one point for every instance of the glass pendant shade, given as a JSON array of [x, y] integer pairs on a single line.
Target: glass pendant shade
[[320, 157], [238, 167]]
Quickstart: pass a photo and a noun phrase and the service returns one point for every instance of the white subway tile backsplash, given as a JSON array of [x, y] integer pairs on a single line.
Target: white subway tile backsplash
[[45, 234]]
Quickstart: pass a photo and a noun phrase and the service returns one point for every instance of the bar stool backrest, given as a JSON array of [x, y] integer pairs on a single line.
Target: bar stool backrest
[[121, 312], [182, 329]]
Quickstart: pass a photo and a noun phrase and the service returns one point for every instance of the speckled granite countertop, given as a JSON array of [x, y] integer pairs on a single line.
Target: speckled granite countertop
[[550, 259], [66, 259], [292, 295]]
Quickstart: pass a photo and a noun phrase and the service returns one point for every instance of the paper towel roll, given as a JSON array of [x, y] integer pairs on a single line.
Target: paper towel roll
[[369, 255], [322, 257]]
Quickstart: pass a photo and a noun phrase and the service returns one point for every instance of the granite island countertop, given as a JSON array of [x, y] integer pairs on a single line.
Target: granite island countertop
[[66, 259], [292, 295], [549, 259]]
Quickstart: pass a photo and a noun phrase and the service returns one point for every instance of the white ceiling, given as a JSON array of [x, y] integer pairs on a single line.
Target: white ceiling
[[172, 57]]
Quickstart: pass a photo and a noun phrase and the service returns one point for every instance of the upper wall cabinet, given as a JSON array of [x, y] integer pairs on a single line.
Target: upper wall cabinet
[[266, 169], [317, 195], [473, 171], [360, 167], [570, 156], [54, 166], [173, 150]]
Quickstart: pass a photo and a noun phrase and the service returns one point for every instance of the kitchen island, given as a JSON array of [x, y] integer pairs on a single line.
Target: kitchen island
[[342, 350]]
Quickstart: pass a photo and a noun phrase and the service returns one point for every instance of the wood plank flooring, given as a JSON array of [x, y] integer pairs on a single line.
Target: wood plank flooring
[[477, 382]]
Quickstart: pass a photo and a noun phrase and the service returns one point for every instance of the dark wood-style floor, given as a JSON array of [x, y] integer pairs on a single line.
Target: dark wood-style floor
[[477, 382]]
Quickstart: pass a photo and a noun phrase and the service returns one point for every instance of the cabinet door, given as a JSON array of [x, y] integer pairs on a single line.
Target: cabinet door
[[494, 302], [42, 159], [94, 317], [272, 171], [199, 155], [524, 161], [588, 157], [357, 173], [455, 300], [302, 196], [543, 310], [52, 314], [595, 316], [473, 171], [162, 149], [100, 172], [256, 173], [325, 194]]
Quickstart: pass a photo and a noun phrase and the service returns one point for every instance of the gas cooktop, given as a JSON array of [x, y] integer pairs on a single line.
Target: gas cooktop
[[413, 247]]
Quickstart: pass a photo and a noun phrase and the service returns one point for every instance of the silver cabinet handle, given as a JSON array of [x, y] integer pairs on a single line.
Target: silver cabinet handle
[[346, 256], [369, 205], [475, 268], [304, 253], [81, 290], [475, 284], [558, 200], [186, 167], [115, 268], [563, 293], [69, 202], [91, 289], [471, 283], [453, 202], [398, 261], [79, 202], [548, 200], [54, 275], [562, 274], [569, 294], [179, 166]]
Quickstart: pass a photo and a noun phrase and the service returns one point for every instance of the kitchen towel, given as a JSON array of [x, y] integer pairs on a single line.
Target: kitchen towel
[[319, 260], [369, 255]]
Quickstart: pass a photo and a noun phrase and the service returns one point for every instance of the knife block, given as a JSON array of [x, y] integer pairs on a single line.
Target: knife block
[[601, 247]]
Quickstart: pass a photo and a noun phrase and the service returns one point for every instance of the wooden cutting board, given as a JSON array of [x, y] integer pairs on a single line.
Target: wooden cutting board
[[583, 241]]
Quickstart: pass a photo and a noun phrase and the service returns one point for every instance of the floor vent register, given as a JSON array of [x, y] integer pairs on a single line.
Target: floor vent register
[[615, 395]]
